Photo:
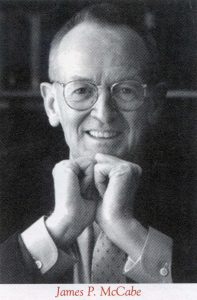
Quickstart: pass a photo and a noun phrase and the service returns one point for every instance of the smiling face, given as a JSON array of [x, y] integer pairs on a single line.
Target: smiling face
[[103, 55]]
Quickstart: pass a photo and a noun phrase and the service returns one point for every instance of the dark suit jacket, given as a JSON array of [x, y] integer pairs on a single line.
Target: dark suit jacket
[[165, 199]]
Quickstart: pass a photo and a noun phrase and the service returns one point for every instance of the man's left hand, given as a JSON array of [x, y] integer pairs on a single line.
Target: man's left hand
[[117, 181]]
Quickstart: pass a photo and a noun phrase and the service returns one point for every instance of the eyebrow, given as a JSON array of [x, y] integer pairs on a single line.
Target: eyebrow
[[137, 73], [76, 77]]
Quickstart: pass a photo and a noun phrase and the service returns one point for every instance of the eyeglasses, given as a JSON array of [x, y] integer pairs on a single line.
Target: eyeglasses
[[82, 95]]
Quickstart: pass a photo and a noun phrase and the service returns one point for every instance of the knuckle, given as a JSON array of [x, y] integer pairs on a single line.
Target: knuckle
[[96, 168], [61, 166], [126, 168], [138, 170], [131, 169], [55, 169]]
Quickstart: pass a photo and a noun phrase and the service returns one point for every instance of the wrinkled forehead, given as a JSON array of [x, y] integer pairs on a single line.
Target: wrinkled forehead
[[97, 47]]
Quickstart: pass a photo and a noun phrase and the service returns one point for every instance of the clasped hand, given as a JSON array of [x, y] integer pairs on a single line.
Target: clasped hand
[[86, 190]]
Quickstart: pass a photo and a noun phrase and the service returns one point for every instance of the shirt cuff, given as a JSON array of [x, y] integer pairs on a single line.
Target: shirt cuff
[[154, 264], [43, 250]]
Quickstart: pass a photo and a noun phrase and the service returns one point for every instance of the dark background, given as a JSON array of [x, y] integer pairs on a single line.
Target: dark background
[[29, 148]]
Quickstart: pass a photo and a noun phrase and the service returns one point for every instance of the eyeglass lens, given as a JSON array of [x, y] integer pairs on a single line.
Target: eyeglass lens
[[128, 95]]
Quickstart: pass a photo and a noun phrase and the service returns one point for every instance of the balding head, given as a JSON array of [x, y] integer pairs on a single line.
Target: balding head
[[108, 16], [93, 45], [100, 56]]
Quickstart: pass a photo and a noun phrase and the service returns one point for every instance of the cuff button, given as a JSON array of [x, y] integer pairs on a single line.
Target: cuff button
[[38, 264], [164, 271]]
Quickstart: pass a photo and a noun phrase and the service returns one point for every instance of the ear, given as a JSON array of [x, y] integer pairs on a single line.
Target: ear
[[50, 104], [157, 100]]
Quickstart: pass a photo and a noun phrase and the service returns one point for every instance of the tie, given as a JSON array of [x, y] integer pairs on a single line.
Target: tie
[[107, 262]]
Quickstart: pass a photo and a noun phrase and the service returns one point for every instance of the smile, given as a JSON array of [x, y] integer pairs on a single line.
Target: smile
[[107, 134]]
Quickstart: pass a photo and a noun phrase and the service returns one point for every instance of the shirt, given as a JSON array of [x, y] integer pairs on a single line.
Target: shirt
[[152, 266]]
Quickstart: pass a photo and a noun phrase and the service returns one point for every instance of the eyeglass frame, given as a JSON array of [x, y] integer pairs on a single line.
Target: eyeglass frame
[[143, 85]]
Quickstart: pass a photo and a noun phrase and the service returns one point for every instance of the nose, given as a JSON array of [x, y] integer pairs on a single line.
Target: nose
[[104, 109]]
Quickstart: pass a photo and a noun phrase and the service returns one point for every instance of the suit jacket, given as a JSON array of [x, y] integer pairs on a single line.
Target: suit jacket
[[17, 266], [166, 200]]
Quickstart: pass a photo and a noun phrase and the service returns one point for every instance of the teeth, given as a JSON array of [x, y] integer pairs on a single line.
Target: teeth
[[103, 134]]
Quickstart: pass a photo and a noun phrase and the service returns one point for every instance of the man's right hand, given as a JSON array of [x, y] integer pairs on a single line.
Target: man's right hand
[[74, 210]]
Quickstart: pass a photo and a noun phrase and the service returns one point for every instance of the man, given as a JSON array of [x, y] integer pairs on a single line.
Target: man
[[104, 91]]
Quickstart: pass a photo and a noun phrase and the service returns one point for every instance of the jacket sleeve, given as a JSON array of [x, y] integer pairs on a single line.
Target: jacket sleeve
[[14, 267], [36, 261], [53, 263]]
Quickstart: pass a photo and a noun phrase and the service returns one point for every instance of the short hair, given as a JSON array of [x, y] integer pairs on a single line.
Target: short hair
[[106, 14]]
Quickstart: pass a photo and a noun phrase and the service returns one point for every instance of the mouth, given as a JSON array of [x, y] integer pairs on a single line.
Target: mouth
[[105, 134]]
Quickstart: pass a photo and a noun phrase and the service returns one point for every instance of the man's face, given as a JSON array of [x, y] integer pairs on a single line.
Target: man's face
[[103, 55]]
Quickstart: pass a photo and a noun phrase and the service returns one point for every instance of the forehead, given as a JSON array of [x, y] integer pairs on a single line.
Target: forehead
[[100, 51]]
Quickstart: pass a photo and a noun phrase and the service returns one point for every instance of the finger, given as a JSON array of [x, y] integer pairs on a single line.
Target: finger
[[116, 166], [125, 172], [122, 182], [85, 164], [66, 164], [106, 158], [86, 176], [101, 179], [66, 181]]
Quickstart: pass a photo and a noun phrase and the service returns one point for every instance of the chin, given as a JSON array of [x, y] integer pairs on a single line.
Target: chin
[[119, 154], [115, 150], [85, 153]]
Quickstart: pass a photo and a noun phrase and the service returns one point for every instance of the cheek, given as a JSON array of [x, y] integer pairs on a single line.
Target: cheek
[[137, 124], [71, 122]]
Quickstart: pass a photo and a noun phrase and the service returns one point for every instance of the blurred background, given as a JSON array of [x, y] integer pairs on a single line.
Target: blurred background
[[29, 148]]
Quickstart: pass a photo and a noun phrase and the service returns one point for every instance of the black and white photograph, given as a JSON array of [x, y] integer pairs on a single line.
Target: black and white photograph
[[98, 143]]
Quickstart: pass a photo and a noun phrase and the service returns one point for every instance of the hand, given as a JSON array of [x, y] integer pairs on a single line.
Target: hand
[[117, 181], [73, 181]]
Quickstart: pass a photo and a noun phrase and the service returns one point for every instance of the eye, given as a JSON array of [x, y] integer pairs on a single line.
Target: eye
[[127, 90], [81, 91]]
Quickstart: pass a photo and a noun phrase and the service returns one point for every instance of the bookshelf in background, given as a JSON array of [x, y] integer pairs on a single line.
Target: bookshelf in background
[[26, 28]]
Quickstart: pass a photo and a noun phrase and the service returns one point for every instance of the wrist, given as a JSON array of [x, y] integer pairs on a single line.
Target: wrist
[[136, 237], [60, 230], [130, 236]]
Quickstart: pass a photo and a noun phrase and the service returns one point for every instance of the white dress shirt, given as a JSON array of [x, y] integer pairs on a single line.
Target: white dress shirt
[[152, 266]]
